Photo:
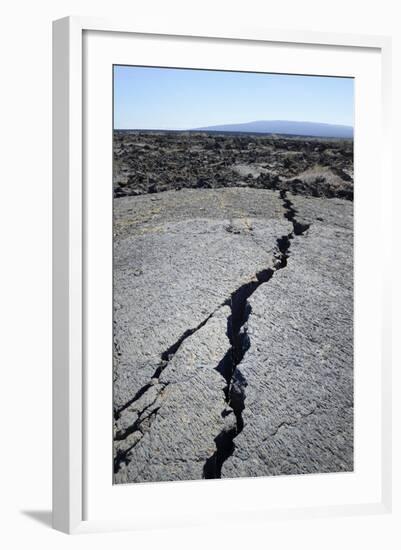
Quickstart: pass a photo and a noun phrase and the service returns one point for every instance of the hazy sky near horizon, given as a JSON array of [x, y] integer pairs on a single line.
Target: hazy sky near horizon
[[179, 99]]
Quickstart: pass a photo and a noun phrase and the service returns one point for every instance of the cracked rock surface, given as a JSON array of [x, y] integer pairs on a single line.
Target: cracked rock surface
[[189, 400], [177, 259], [233, 342], [299, 366]]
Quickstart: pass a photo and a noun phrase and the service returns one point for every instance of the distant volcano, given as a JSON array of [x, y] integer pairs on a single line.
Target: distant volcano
[[315, 129]]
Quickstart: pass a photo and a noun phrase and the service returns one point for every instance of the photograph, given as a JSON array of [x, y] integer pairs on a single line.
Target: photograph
[[233, 263]]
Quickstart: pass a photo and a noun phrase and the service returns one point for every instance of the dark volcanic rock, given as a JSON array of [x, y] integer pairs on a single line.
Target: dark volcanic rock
[[151, 162]]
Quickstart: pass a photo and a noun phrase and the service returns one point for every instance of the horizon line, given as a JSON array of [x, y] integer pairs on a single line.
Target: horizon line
[[239, 123]]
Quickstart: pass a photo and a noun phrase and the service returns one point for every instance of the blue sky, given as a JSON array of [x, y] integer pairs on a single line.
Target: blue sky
[[176, 99]]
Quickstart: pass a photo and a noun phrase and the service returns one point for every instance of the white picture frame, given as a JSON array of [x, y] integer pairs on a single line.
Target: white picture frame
[[70, 255]]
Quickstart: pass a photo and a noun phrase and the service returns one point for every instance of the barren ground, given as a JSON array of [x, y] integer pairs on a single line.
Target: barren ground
[[233, 320]]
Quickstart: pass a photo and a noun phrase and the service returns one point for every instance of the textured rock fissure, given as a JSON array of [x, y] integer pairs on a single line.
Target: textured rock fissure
[[237, 333], [299, 228], [121, 435], [121, 454], [143, 423], [165, 357], [234, 392]]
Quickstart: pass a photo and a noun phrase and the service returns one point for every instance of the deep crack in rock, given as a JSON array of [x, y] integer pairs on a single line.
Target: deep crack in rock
[[239, 339], [121, 454], [121, 437], [234, 391]]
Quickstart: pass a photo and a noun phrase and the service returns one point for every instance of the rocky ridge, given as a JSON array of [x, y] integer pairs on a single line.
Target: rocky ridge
[[153, 162]]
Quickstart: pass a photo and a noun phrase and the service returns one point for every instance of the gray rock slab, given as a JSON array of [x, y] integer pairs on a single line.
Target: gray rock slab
[[180, 414], [298, 415], [332, 213], [178, 256]]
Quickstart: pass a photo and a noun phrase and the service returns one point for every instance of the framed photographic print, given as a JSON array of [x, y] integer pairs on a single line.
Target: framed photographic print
[[219, 329]]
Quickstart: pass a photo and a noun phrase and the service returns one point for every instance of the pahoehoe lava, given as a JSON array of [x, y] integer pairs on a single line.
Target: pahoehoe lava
[[239, 340], [121, 455], [228, 367], [165, 357]]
